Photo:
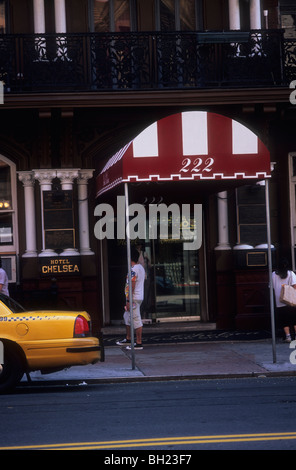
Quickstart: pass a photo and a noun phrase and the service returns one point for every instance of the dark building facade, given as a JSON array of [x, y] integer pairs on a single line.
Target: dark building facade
[[81, 79]]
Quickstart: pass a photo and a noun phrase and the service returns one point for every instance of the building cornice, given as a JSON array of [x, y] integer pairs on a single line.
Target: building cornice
[[157, 98]]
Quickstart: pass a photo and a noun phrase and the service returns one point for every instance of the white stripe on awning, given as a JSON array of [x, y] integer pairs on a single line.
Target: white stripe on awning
[[115, 158], [244, 141], [195, 133], [146, 144]]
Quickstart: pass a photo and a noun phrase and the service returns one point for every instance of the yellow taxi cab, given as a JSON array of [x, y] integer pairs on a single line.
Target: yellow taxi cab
[[43, 340]]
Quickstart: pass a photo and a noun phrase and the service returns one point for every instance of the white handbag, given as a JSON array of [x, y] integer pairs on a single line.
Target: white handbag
[[288, 295]]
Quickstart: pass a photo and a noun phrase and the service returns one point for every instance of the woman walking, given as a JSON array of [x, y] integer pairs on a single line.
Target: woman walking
[[285, 314]]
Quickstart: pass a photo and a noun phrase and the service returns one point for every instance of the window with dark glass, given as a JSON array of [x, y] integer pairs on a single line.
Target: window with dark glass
[[167, 15], [101, 16], [187, 15], [176, 15], [251, 215], [2, 17], [112, 15], [293, 165], [122, 21], [6, 228], [288, 18]]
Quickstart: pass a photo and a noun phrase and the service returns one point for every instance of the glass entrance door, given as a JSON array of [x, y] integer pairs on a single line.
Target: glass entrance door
[[172, 281]]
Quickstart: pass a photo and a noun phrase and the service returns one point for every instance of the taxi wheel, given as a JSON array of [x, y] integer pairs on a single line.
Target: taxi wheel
[[11, 371]]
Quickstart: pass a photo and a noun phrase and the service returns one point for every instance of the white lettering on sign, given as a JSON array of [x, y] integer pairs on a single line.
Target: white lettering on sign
[[197, 165]]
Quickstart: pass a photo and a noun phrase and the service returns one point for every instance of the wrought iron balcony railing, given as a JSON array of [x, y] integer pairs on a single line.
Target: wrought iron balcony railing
[[145, 61]]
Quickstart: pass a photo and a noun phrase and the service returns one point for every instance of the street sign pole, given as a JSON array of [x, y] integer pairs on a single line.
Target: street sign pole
[[270, 270], [129, 267]]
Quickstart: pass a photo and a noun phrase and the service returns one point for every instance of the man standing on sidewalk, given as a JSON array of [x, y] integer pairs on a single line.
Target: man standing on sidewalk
[[138, 278], [3, 280]]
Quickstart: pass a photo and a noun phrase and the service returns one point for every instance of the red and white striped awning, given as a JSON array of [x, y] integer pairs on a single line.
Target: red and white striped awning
[[193, 145]]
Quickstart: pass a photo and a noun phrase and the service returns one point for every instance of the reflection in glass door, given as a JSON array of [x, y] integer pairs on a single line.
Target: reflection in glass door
[[173, 281]]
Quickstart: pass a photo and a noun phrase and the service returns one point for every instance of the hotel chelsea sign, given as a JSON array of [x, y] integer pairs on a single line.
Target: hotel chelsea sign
[[58, 266]]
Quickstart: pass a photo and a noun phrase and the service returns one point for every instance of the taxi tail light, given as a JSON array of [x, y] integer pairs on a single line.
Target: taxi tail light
[[81, 327]]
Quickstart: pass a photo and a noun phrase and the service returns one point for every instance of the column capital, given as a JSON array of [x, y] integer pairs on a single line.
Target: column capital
[[84, 176], [26, 177], [45, 176], [67, 175]]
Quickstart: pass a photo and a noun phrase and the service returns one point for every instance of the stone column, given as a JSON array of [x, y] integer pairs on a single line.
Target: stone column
[[255, 14], [234, 20], [39, 28], [45, 178], [60, 16], [255, 23], [60, 28], [234, 14], [84, 176], [223, 235], [28, 180], [39, 16]]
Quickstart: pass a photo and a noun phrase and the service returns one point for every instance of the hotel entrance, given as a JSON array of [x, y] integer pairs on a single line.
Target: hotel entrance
[[182, 159], [173, 281], [175, 287]]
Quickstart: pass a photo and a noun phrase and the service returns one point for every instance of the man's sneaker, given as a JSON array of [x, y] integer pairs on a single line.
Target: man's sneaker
[[123, 342], [136, 346]]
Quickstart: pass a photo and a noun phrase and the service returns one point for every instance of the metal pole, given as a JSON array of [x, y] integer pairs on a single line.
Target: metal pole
[[129, 268], [270, 270]]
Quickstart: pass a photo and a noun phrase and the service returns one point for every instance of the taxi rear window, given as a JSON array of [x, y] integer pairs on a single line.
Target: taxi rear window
[[11, 304]]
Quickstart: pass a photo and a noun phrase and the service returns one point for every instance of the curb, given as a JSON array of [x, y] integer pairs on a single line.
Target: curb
[[114, 380]]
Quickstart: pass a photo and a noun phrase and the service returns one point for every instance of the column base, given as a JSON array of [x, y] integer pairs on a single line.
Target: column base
[[70, 252], [223, 247], [243, 247], [47, 253], [30, 254], [86, 252]]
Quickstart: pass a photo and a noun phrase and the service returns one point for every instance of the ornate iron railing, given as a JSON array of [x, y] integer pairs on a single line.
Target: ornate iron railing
[[290, 60], [145, 61]]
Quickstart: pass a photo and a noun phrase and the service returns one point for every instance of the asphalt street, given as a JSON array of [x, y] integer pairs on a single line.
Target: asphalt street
[[175, 415]]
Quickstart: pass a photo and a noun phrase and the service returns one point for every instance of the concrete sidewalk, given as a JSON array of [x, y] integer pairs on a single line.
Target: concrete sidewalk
[[180, 361]]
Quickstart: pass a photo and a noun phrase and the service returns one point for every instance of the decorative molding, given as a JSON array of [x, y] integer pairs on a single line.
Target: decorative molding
[[67, 176], [45, 176], [84, 176], [202, 97], [26, 177]]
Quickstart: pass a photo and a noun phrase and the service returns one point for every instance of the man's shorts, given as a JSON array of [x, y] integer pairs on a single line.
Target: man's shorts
[[137, 321]]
